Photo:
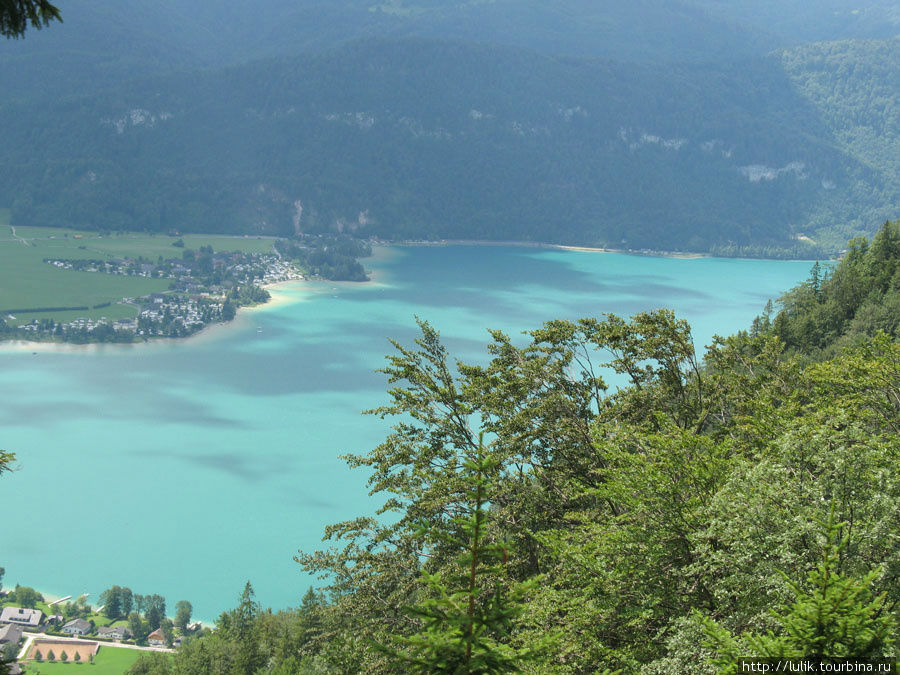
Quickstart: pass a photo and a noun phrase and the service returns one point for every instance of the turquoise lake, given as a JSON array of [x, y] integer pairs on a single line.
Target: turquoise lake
[[185, 468]]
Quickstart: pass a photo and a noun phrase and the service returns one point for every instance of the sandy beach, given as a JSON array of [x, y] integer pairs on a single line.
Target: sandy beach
[[278, 296]]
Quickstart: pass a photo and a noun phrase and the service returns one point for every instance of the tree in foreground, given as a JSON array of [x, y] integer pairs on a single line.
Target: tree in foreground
[[16, 15], [834, 617], [468, 617]]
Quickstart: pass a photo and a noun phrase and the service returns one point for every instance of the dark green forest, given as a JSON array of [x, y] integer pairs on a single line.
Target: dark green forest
[[419, 139], [739, 501], [696, 126]]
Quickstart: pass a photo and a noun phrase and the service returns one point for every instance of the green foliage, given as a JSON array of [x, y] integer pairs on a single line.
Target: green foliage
[[329, 257], [140, 629], [466, 622], [117, 602], [154, 609], [25, 596], [833, 616], [240, 629], [6, 460], [16, 15], [839, 306], [183, 610], [151, 663]]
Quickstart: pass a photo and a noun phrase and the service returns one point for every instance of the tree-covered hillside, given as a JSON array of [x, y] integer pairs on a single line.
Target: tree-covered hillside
[[841, 306], [106, 41], [535, 518], [424, 139], [640, 124]]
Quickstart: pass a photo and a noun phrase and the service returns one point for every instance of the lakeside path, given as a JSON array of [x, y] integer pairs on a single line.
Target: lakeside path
[[31, 637], [17, 237]]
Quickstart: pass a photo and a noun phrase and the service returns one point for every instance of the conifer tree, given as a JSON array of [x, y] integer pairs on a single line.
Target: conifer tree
[[833, 617], [16, 16], [467, 615]]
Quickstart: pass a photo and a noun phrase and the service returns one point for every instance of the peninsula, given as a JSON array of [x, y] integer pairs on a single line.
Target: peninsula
[[83, 287]]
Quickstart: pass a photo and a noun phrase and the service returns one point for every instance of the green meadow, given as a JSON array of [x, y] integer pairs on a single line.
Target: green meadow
[[109, 661], [26, 281]]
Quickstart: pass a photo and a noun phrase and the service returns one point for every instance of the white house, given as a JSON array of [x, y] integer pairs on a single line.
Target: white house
[[77, 627]]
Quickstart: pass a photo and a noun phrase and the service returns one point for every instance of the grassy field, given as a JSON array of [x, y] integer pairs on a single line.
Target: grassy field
[[109, 661], [26, 281]]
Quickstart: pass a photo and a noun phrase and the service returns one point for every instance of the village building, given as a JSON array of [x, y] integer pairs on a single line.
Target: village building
[[30, 618], [77, 627], [156, 638], [10, 634], [119, 632]]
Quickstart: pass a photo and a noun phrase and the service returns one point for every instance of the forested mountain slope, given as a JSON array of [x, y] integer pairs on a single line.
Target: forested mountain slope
[[417, 138], [106, 41], [793, 22], [854, 86], [842, 305]]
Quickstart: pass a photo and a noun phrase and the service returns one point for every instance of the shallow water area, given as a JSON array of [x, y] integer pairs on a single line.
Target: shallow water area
[[187, 467]]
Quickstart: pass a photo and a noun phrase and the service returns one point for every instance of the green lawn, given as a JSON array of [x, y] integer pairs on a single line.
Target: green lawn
[[28, 282], [109, 661]]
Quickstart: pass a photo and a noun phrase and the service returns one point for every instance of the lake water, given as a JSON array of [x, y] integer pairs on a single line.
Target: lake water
[[187, 467]]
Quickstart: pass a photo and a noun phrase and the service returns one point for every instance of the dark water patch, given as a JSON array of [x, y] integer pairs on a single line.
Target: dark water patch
[[245, 466], [42, 415]]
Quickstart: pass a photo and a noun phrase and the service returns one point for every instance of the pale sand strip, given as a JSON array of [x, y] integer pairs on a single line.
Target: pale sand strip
[[557, 247]]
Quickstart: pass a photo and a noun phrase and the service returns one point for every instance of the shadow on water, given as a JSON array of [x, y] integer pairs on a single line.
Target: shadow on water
[[250, 468], [505, 279]]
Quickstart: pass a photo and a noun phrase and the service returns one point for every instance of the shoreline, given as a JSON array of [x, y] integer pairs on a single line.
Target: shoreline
[[548, 246], [644, 252], [278, 297], [50, 598], [209, 331], [382, 250]]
